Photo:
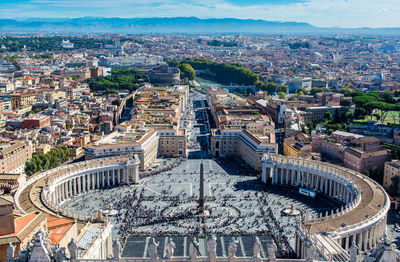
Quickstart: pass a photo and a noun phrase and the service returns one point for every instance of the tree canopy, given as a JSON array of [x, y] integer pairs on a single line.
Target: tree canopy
[[119, 79], [225, 73], [43, 162], [187, 71], [382, 102]]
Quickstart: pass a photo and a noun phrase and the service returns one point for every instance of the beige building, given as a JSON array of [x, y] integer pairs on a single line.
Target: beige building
[[147, 145], [392, 169], [241, 143], [171, 144], [14, 155], [22, 99]]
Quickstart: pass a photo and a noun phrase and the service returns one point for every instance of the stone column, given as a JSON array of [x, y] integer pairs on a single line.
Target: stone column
[[62, 191], [298, 177], [287, 176], [365, 239], [56, 194], [308, 179], [334, 189], [292, 177], [360, 241], [79, 184], [313, 182], [370, 237], [88, 182], [125, 174], [70, 188], [113, 176]]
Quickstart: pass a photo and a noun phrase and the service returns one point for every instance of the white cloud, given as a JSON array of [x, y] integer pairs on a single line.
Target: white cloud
[[326, 13]]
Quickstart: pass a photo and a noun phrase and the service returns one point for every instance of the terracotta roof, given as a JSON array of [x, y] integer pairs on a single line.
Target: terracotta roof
[[58, 227]]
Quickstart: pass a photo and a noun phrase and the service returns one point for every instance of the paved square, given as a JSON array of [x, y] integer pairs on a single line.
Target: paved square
[[164, 205]]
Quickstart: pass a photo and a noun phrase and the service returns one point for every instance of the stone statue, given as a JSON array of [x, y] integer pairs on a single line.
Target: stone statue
[[353, 252], [152, 250], [212, 248], [60, 256], [10, 252], [257, 249], [116, 249], [170, 249], [73, 249], [271, 251], [193, 248], [232, 248]]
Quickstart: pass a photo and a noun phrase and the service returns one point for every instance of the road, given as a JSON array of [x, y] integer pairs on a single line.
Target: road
[[198, 127]]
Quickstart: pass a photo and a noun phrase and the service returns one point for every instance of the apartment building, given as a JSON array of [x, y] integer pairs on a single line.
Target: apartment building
[[19, 100], [171, 143], [147, 145], [241, 143], [14, 155]]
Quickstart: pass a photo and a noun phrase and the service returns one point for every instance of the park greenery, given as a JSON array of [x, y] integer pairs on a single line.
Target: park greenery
[[119, 79], [378, 104], [43, 162], [374, 103], [48, 43], [43, 56], [333, 122], [224, 73], [221, 43], [298, 45]]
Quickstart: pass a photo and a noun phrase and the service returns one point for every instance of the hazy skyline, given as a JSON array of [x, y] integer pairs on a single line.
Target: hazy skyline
[[322, 13]]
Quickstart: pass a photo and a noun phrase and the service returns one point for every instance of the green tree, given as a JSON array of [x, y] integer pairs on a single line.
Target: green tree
[[344, 102], [316, 90], [187, 71], [260, 85], [282, 95], [303, 90], [282, 88], [271, 87], [116, 102], [328, 116]]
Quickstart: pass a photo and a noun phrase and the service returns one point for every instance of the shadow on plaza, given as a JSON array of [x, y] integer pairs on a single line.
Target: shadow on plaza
[[236, 167], [320, 203]]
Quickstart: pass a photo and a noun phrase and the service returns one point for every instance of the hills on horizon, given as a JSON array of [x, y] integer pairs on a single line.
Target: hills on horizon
[[179, 25]]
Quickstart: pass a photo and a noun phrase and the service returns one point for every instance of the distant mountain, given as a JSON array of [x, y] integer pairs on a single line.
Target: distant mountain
[[183, 25]]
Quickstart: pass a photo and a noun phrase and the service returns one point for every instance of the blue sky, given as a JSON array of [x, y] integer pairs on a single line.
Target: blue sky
[[324, 13]]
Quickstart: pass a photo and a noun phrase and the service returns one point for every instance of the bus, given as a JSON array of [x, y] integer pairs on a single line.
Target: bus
[[307, 192]]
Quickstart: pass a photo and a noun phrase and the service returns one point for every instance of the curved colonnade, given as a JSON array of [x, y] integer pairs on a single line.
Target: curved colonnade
[[362, 219], [71, 180]]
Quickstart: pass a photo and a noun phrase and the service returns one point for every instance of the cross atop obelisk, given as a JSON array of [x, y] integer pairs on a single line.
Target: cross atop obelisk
[[201, 196]]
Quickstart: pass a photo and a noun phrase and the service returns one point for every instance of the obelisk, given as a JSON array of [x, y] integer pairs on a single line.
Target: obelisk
[[201, 196]]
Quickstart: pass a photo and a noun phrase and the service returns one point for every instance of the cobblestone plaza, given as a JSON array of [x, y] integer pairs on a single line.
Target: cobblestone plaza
[[165, 205]]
